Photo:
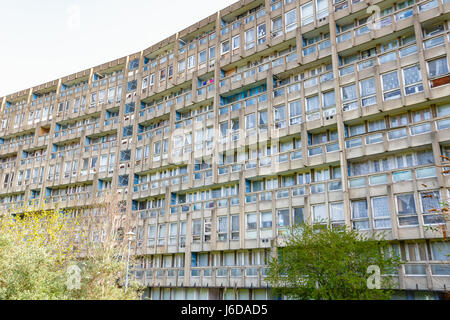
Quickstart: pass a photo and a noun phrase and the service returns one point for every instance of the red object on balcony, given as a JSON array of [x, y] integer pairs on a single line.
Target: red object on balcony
[[440, 81]]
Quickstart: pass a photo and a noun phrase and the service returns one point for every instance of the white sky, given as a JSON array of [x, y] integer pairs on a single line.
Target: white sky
[[43, 40]]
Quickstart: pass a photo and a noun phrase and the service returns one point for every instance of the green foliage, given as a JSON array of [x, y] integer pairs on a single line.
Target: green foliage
[[331, 264], [38, 247]]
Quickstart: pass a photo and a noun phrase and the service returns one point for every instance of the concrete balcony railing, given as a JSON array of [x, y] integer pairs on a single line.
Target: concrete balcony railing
[[426, 275], [210, 204]]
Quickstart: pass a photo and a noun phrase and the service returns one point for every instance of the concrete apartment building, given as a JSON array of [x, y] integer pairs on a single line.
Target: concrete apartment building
[[262, 115]]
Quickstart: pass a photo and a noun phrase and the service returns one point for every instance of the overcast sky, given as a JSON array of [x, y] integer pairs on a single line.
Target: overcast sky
[[45, 40]]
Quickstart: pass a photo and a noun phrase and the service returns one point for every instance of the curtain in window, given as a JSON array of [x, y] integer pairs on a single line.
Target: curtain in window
[[223, 225], [355, 130], [430, 200], [320, 213], [312, 103], [251, 221], [380, 207], [298, 215], [367, 87], [425, 157], [280, 114], [250, 121], [295, 108], [266, 220], [438, 67], [359, 209], [263, 118], [390, 81], [322, 8], [412, 75], [291, 17], [288, 181], [283, 218], [441, 251], [406, 204], [250, 36], [329, 99], [377, 125], [277, 24], [307, 13], [349, 92], [337, 211]]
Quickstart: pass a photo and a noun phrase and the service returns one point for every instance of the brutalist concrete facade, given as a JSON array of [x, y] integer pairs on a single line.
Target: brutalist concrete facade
[[262, 115]]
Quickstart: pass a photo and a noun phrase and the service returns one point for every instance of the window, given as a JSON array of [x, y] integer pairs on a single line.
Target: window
[[202, 57], [111, 90], [123, 181], [251, 224], [263, 119], [391, 56], [391, 85], [131, 86], [349, 97], [266, 220], [161, 234], [249, 39], [127, 131], [191, 62], [307, 13], [236, 42], [173, 232], [283, 218], [380, 213], [312, 103], [356, 130], [235, 227], [399, 121], [129, 108], [438, 67], [329, 99], [441, 251], [291, 20], [376, 125], [250, 121], [295, 112], [277, 26], [280, 117], [261, 33], [212, 53], [196, 229], [320, 213], [337, 212], [368, 92], [125, 155], [157, 148], [431, 205], [359, 215], [134, 64], [181, 67], [412, 79], [162, 75], [406, 209], [225, 47], [298, 215], [151, 235], [321, 9], [222, 228]]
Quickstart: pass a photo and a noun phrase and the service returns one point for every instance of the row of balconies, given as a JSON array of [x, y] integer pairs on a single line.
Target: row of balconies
[[414, 276]]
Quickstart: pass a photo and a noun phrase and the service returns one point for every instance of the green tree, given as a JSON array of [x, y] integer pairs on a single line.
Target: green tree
[[40, 246], [318, 262]]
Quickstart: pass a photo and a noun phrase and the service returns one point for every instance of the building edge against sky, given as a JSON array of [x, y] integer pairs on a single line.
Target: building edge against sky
[[262, 115]]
